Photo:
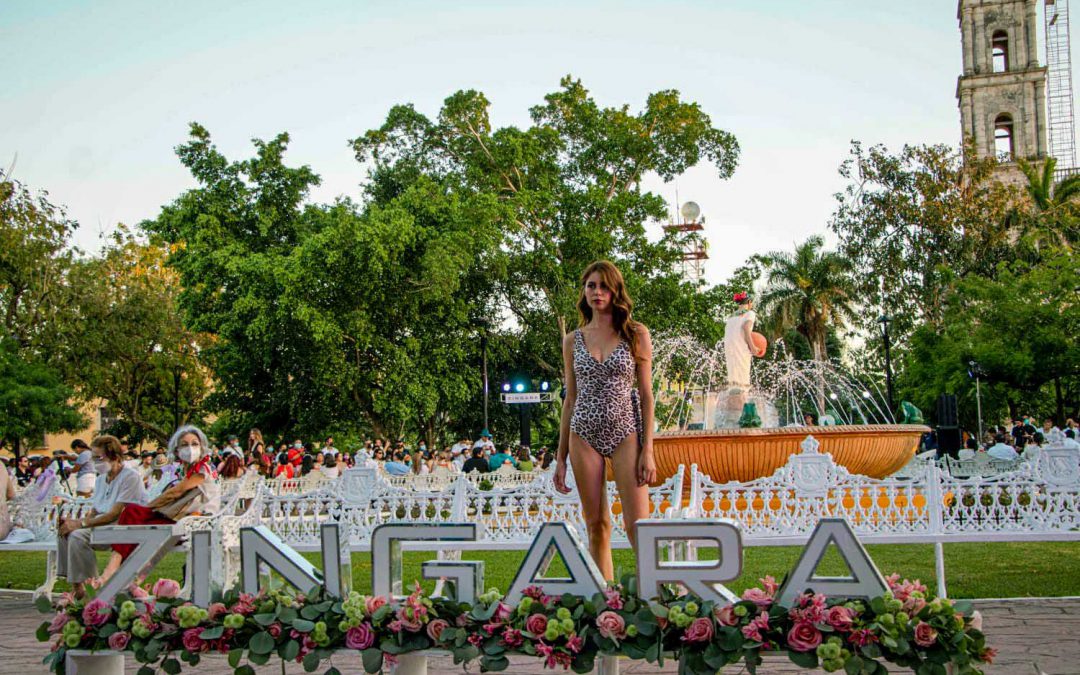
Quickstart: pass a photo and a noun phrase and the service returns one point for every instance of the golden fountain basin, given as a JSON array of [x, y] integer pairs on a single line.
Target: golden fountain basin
[[875, 450]]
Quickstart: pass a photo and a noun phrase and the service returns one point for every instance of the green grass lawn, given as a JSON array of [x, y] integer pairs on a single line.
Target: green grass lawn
[[994, 570]]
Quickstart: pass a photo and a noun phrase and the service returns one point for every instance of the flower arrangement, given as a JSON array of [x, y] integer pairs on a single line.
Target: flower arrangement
[[907, 627]]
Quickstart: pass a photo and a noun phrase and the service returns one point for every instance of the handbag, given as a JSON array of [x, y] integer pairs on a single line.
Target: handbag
[[182, 506]]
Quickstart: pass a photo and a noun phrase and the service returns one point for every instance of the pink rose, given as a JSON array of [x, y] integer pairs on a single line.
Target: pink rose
[[613, 598], [611, 625], [862, 637], [408, 619], [534, 592], [725, 616], [241, 607], [166, 588], [360, 637], [914, 604], [510, 637], [118, 641], [758, 597], [215, 610], [58, 622], [96, 612], [373, 603], [699, 630], [193, 641], [137, 592], [769, 585], [925, 635], [755, 629], [436, 627], [536, 624], [840, 618], [574, 644], [503, 612], [462, 620], [976, 620], [274, 629], [803, 637]]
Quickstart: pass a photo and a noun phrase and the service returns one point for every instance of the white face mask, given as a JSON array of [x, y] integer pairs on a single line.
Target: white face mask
[[189, 454], [102, 466]]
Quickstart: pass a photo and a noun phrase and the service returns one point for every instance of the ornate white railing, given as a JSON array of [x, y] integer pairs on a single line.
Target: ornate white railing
[[1039, 499]]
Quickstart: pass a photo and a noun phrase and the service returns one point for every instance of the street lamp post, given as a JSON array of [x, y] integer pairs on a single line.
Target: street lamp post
[[483, 352], [884, 321], [976, 371]]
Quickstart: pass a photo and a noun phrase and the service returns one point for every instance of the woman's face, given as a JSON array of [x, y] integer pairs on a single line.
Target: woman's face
[[597, 293]]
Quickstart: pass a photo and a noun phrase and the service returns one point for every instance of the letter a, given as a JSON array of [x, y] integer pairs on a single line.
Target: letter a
[[865, 580], [585, 579]]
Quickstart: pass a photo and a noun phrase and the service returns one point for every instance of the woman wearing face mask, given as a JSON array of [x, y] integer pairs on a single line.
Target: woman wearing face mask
[[117, 486], [195, 491]]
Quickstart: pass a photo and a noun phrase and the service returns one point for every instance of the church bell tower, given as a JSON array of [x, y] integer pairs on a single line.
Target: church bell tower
[[1002, 93]]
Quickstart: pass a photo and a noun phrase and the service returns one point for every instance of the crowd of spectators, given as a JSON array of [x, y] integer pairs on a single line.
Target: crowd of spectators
[[1014, 439]]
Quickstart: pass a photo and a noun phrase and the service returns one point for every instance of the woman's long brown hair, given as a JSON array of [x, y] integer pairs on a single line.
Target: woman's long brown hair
[[621, 304]]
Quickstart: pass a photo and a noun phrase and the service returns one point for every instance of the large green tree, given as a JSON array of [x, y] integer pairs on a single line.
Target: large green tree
[[370, 314], [129, 345], [568, 192], [1020, 327], [914, 222], [35, 259], [337, 316]]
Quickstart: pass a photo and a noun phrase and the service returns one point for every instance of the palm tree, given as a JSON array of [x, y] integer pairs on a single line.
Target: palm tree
[[1057, 206], [809, 290]]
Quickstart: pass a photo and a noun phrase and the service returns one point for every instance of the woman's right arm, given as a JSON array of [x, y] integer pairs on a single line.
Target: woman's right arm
[[571, 396]]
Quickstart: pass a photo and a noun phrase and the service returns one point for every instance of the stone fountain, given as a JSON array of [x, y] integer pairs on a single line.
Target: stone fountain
[[703, 420]]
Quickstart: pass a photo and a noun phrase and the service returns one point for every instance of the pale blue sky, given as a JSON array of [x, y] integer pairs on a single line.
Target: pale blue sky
[[94, 96]]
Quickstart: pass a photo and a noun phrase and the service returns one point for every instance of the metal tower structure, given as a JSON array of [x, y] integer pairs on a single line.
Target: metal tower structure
[[1059, 99], [694, 248]]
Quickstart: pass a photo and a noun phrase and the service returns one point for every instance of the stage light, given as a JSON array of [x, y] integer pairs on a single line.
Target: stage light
[[519, 387], [506, 386], [544, 385]]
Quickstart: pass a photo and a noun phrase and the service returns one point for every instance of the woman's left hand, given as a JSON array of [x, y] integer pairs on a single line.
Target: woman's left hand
[[646, 467]]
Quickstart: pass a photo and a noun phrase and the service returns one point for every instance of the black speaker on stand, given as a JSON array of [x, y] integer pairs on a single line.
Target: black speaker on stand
[[948, 428]]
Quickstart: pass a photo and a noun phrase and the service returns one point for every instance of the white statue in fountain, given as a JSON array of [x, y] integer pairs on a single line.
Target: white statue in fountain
[[741, 345]]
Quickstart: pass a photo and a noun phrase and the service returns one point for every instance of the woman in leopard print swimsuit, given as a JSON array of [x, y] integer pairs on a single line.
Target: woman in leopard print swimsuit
[[605, 418]]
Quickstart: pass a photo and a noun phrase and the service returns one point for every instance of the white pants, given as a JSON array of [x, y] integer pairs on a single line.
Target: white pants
[[75, 559]]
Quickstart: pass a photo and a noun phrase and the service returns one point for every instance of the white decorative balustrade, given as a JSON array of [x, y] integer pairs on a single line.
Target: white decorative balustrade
[[924, 504]]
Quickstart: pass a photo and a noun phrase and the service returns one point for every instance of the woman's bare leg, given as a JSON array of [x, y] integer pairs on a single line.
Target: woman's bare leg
[[588, 467], [634, 498]]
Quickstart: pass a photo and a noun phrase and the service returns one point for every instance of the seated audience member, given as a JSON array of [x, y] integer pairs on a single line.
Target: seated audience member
[[397, 465], [524, 459], [284, 468], [499, 458], [1002, 450], [195, 491], [7, 493], [231, 467], [24, 473], [330, 461], [477, 462], [116, 487], [971, 447]]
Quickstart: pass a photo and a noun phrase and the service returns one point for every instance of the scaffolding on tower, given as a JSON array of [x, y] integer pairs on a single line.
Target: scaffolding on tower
[[1059, 90], [694, 247]]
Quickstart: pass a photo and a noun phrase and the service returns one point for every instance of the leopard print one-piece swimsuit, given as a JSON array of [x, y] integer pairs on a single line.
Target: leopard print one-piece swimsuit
[[607, 409]]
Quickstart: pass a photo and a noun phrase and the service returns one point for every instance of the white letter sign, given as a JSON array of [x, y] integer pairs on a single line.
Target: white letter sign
[[703, 578], [585, 579], [865, 580]]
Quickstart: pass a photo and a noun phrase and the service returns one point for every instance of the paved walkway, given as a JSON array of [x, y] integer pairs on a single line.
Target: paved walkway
[[1032, 637]]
